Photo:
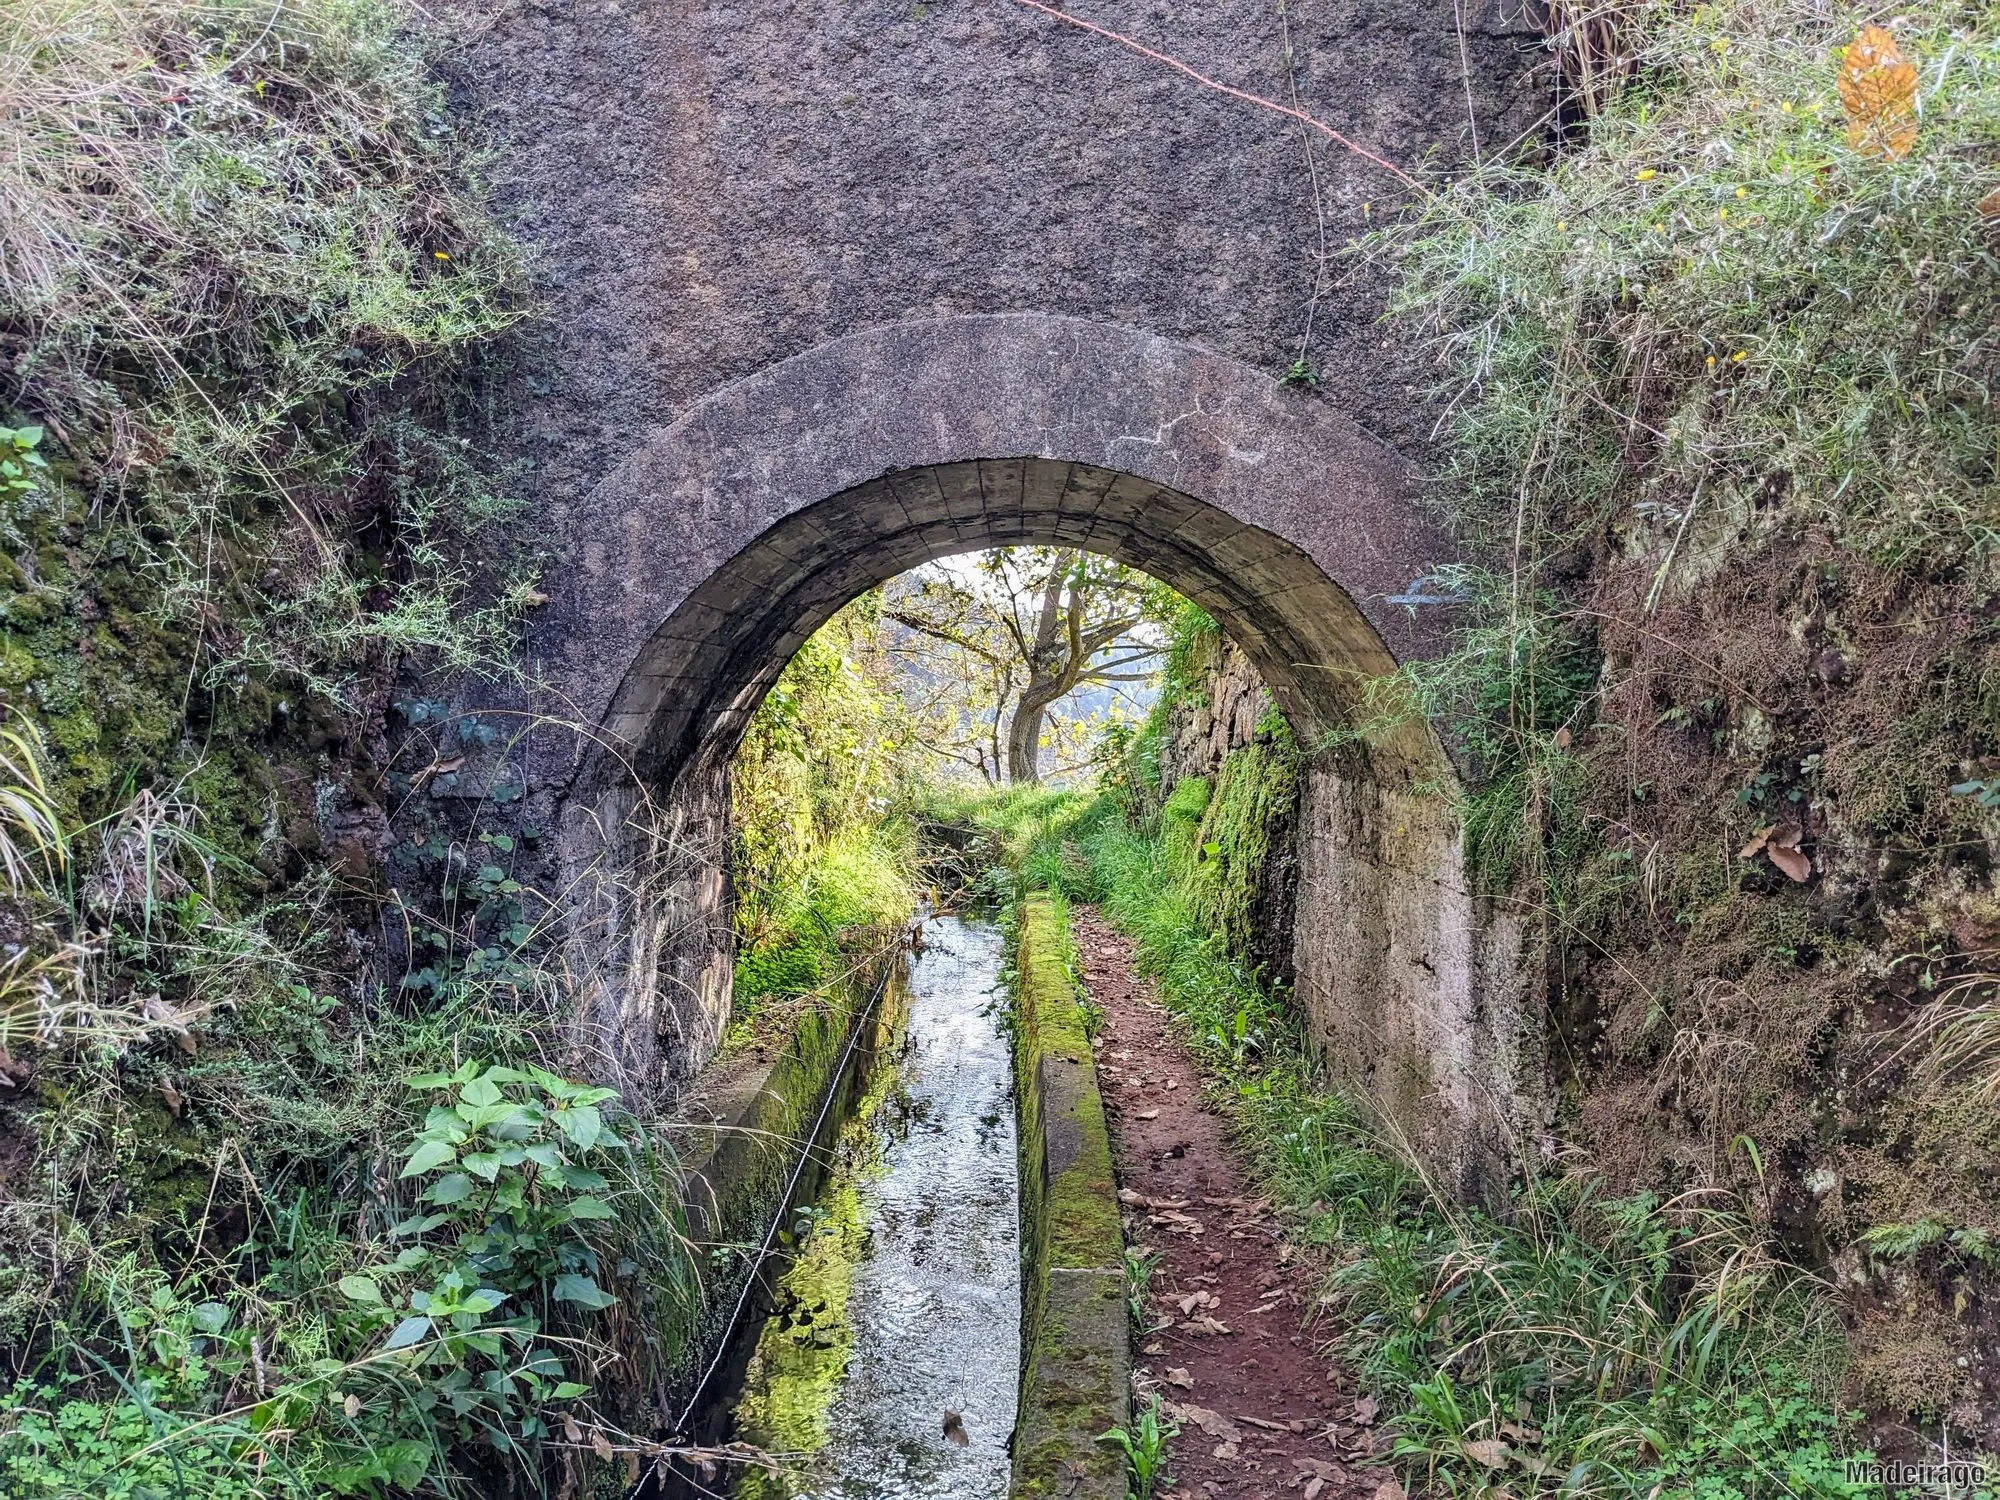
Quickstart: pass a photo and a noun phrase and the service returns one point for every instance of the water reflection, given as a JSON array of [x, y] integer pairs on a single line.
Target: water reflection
[[902, 1304]]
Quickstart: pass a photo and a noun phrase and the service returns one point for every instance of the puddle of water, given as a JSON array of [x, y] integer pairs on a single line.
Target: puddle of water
[[903, 1299]]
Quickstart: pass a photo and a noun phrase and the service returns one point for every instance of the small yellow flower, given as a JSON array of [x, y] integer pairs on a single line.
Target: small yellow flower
[[1644, 174], [1739, 356], [440, 255], [1723, 214], [1659, 229], [1711, 361], [1561, 224], [1785, 107]]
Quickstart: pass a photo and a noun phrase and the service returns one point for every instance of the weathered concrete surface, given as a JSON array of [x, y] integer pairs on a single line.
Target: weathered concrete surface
[[832, 288], [726, 538], [1409, 980], [714, 187]]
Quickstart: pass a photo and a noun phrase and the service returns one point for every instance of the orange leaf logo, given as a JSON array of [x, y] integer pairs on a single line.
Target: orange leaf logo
[[1878, 90]]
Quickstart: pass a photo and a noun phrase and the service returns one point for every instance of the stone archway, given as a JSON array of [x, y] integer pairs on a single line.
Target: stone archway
[[691, 574]]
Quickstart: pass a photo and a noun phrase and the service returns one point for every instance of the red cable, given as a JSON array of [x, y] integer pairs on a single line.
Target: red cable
[[1235, 93]]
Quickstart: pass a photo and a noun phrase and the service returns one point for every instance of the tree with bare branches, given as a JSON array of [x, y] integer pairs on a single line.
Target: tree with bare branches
[[998, 642]]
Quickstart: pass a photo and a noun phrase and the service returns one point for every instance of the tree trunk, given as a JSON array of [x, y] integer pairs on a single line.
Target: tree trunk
[[1024, 742]]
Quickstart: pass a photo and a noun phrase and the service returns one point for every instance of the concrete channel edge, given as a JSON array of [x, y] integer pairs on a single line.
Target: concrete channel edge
[[1076, 1352]]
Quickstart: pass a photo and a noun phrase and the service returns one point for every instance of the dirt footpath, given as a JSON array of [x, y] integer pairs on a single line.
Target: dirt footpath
[[1229, 1345]]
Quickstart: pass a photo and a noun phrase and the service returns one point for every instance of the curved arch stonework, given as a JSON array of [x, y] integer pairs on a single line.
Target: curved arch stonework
[[686, 579], [897, 421]]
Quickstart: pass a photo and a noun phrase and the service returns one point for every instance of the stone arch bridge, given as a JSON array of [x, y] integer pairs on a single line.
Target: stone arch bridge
[[835, 291]]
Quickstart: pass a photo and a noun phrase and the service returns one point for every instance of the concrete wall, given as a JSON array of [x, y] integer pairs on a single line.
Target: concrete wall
[[712, 187], [827, 290], [697, 568], [1411, 983], [1076, 1345]]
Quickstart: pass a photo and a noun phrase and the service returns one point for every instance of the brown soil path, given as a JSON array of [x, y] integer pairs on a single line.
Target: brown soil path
[[1261, 1412]]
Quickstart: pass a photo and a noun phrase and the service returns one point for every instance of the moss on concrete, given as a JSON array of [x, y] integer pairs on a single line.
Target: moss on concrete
[[1246, 821], [1075, 1345], [747, 1121]]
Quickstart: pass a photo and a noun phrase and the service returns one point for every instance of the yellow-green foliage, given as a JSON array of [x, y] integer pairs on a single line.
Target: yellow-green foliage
[[1713, 293], [1721, 368], [1224, 858], [820, 793]]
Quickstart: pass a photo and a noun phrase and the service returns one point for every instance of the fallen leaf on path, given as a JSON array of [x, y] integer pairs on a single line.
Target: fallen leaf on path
[[1181, 1378], [1878, 93], [1147, 1114], [1207, 1324], [1488, 1451], [1313, 1487], [1366, 1409], [1797, 868], [1214, 1423], [1390, 1489]]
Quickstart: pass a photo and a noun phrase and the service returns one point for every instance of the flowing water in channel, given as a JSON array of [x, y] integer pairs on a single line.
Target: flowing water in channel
[[903, 1300]]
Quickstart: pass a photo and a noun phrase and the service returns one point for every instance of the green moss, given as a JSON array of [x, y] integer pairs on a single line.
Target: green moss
[[1074, 1352], [801, 1355], [1229, 861], [746, 1161]]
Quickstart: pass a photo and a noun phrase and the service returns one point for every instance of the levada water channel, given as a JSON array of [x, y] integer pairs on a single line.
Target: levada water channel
[[881, 1358]]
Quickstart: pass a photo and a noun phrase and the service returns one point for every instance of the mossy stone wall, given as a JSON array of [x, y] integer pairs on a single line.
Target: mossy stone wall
[[746, 1121]]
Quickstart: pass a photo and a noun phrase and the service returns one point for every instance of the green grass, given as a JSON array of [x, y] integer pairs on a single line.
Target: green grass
[[1710, 303], [825, 858], [1576, 1344], [856, 893]]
